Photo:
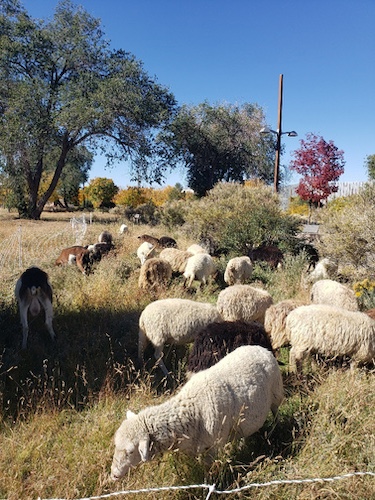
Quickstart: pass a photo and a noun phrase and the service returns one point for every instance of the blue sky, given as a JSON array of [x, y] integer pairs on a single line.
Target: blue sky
[[234, 51]]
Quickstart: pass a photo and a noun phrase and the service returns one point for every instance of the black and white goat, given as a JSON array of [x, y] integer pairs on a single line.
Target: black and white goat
[[32, 291]]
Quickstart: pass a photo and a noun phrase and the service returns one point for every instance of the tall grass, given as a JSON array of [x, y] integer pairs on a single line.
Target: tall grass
[[62, 402]]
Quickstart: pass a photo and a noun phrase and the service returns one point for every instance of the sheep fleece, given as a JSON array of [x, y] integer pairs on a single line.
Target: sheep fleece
[[231, 399], [330, 331], [243, 302]]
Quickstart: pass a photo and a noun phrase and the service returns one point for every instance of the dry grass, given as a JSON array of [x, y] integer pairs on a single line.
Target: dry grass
[[60, 404]]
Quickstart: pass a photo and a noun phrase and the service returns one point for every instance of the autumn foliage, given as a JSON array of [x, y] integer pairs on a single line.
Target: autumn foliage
[[320, 163]]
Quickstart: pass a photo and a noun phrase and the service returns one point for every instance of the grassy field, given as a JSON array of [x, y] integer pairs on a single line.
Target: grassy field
[[62, 402]]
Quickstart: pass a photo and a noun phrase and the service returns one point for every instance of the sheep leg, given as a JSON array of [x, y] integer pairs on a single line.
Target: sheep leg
[[46, 303], [158, 354], [24, 323], [142, 344], [295, 360]]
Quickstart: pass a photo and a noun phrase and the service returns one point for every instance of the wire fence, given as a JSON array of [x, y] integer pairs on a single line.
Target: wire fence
[[212, 488]]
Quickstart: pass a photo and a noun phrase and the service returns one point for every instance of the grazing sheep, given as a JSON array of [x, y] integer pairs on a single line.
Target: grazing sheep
[[145, 251], [268, 253], [334, 294], [325, 269], [167, 242], [175, 321], [176, 258], [32, 291], [275, 319], [199, 267], [154, 273], [123, 229], [238, 270], [194, 249], [98, 250], [244, 303], [78, 254], [217, 340], [228, 401], [106, 237], [330, 331]]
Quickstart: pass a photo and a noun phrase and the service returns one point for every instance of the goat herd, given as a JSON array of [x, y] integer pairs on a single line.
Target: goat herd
[[233, 377]]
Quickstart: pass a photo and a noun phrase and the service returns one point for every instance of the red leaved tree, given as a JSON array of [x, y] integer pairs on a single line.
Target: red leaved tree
[[320, 163]]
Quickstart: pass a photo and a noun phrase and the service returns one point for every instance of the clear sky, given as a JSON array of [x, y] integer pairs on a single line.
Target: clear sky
[[234, 51]]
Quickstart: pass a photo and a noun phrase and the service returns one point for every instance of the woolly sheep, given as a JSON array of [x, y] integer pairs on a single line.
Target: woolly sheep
[[199, 267], [275, 319], [176, 258], [238, 270], [195, 248], [154, 273], [228, 401], [172, 320], [145, 251], [333, 293], [218, 339], [244, 303], [106, 237], [330, 331], [167, 242], [325, 269]]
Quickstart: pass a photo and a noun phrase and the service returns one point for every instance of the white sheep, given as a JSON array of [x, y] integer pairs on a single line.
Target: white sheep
[[275, 321], [177, 258], [123, 229], [199, 267], [195, 248], [228, 401], [244, 303], [145, 251], [325, 269], [330, 331], [238, 270], [155, 272], [175, 321], [334, 294]]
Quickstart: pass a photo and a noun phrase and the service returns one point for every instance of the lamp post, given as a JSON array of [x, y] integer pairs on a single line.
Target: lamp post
[[278, 133]]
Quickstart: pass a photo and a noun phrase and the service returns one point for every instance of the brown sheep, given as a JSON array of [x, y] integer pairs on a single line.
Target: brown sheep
[[154, 273]]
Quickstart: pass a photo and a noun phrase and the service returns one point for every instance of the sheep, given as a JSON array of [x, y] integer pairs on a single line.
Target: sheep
[[154, 273], [325, 269], [106, 237], [200, 266], [123, 229], [330, 331], [177, 258], [33, 290], [194, 249], [78, 254], [268, 253], [167, 242], [275, 319], [220, 338], [172, 320], [145, 251], [228, 401], [238, 270], [244, 303], [333, 293]]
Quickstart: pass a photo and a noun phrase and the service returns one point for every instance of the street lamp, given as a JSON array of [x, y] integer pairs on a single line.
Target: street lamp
[[279, 133]]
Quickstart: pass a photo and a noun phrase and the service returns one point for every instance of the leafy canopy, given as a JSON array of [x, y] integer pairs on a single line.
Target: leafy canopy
[[61, 86], [219, 143], [320, 163]]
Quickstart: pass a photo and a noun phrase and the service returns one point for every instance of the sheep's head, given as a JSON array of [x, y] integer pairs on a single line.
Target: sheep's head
[[131, 447]]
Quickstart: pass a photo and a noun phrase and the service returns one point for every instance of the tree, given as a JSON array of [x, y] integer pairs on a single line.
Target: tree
[[320, 163], [219, 143], [101, 191], [370, 165], [61, 87]]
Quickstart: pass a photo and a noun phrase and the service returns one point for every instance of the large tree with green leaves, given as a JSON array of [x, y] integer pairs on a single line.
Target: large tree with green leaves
[[61, 87], [220, 143]]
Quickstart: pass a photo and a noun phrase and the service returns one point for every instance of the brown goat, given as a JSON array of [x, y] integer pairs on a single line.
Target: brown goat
[[78, 254]]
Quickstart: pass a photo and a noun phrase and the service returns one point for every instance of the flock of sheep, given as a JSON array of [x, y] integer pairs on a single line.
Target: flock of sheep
[[233, 377]]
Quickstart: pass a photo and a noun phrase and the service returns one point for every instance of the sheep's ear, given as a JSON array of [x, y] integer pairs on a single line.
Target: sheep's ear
[[130, 414], [143, 448]]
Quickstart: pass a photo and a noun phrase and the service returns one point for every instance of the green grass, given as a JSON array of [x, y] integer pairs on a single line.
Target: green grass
[[61, 403]]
